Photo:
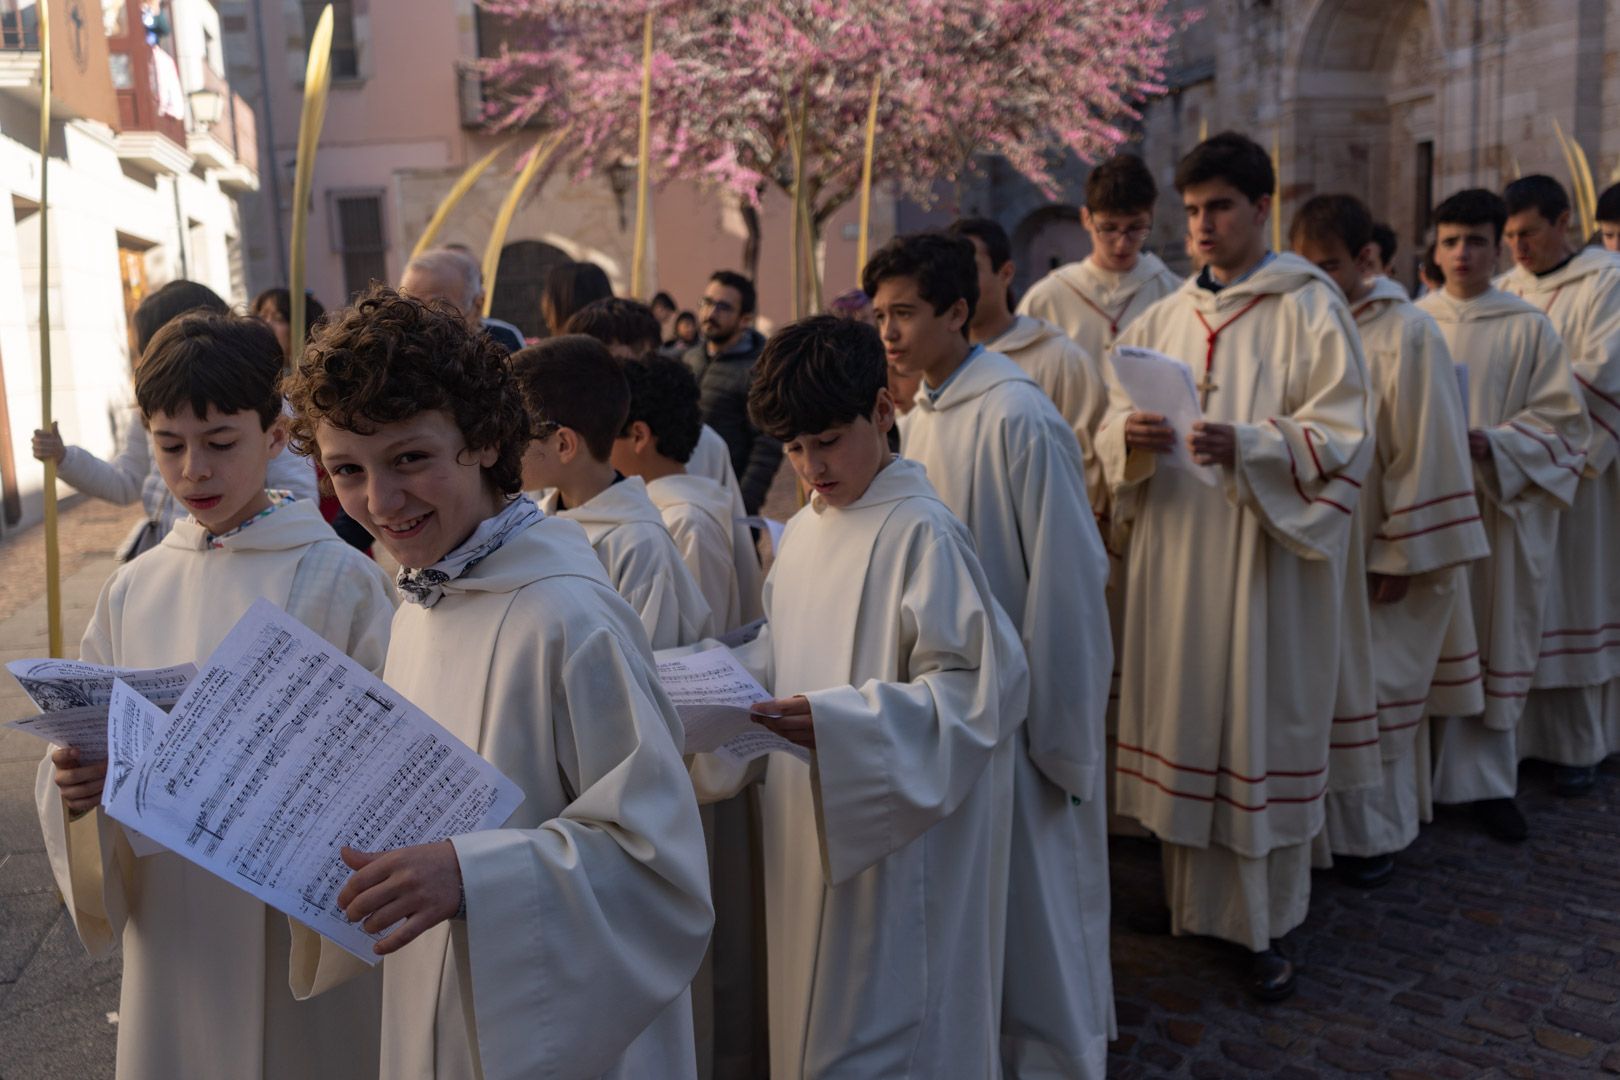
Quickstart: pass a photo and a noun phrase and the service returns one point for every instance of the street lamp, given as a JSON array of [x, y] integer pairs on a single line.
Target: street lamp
[[207, 106]]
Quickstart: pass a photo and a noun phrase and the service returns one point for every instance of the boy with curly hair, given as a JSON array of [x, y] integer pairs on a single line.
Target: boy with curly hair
[[563, 942], [205, 964]]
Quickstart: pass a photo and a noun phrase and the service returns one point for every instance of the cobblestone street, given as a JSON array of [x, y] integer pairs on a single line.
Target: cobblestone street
[[1478, 960]]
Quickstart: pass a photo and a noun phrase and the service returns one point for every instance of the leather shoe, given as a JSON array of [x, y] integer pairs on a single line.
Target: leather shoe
[[1364, 872], [1573, 781], [1271, 975], [1501, 818]]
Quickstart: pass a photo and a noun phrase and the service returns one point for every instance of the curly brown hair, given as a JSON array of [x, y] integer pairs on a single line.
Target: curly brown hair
[[388, 357]]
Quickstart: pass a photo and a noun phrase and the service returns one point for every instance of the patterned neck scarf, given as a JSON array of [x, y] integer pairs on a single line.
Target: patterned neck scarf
[[426, 585], [277, 499]]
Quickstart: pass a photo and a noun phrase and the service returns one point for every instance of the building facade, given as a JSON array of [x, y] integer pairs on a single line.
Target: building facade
[[149, 151]]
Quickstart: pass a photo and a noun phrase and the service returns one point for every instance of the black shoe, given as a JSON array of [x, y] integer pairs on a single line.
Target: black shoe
[[1501, 818], [1271, 975], [1573, 781], [1364, 872], [1153, 921]]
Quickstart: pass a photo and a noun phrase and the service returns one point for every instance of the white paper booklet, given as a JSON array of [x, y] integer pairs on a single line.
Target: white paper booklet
[[712, 693], [1164, 385], [282, 751], [74, 697]]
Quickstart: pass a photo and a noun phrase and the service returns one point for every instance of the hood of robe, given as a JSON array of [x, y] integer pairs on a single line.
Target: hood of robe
[[1025, 332], [1586, 262], [1384, 292], [619, 504], [1106, 287], [987, 371], [700, 491], [1283, 274], [1490, 304], [551, 547], [901, 478], [290, 525]]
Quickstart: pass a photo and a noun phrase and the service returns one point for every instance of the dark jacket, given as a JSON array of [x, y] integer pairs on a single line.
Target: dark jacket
[[723, 388]]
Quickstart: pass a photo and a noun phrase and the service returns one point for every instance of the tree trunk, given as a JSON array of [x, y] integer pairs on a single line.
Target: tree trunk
[[750, 257]]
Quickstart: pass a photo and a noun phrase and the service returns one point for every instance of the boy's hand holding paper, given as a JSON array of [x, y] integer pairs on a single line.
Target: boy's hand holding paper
[[1168, 413]]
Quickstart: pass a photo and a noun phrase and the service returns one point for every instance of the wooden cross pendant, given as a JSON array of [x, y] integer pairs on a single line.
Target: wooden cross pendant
[[1204, 387]]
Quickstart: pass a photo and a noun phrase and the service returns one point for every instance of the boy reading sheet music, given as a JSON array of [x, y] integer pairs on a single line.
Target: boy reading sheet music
[[560, 945], [885, 865], [205, 987]]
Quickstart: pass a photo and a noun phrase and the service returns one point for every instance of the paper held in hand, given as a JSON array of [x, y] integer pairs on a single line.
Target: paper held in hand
[[74, 696], [1164, 385], [282, 751], [712, 693]]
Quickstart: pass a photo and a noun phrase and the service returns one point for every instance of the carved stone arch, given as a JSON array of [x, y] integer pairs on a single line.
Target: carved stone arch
[[1315, 50]]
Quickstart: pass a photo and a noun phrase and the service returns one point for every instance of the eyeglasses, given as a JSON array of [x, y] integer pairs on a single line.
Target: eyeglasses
[[707, 304], [1115, 232]]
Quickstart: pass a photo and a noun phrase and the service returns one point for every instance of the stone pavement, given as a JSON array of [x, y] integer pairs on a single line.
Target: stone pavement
[[1478, 960]]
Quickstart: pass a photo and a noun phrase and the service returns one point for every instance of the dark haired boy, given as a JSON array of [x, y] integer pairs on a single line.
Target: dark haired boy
[[1388, 243], [577, 399], [1008, 464], [1093, 300], [904, 676], [1572, 716], [724, 365], [1608, 218], [206, 965], [1061, 368], [660, 434], [1527, 436], [563, 942], [1415, 526], [1236, 584]]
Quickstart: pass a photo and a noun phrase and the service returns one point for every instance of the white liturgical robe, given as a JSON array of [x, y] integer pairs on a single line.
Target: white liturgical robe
[[885, 881], [716, 547], [642, 562], [1235, 590], [1094, 306], [1523, 396], [205, 988], [588, 911], [1580, 643], [1417, 519], [1007, 463]]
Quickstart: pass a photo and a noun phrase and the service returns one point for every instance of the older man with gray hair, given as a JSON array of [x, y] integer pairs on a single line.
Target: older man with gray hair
[[454, 276]]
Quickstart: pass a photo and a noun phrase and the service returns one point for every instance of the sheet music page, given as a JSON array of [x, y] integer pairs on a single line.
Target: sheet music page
[[60, 685], [83, 728], [282, 751], [1164, 385], [712, 693]]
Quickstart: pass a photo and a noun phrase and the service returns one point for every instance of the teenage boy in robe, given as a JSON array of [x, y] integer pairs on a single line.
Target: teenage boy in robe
[[562, 943]]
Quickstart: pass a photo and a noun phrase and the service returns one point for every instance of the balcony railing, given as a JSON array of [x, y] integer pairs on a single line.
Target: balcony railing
[[19, 26]]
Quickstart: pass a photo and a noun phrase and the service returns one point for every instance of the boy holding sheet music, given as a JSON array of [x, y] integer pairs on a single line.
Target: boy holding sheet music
[[893, 662], [561, 944], [205, 986]]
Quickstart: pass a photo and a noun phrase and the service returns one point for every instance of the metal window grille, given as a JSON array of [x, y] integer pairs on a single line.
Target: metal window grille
[[359, 237]]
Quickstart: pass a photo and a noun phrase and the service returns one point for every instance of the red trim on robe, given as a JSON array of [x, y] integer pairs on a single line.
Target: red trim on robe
[[1595, 390], [1582, 633], [1218, 770], [1430, 529], [1552, 455], [1218, 795], [1294, 472], [1429, 503]]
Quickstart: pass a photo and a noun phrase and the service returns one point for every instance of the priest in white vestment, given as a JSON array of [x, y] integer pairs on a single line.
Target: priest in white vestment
[[885, 869], [1416, 525], [1573, 710], [1527, 432], [1007, 464], [1235, 577]]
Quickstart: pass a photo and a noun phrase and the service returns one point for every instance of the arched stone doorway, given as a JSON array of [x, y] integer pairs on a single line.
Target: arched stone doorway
[[519, 281], [1364, 113], [1046, 239]]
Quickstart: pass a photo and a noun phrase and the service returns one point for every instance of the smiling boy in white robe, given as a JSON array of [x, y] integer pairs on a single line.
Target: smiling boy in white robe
[[562, 943], [205, 978], [885, 879], [578, 399]]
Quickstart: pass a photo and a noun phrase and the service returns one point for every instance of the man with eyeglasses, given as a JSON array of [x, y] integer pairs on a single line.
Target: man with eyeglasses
[[1095, 299], [724, 365]]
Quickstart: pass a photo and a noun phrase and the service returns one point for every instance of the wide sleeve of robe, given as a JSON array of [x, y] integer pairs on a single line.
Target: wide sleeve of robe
[[1597, 371], [582, 931], [895, 758], [1431, 518], [647, 571], [1538, 454], [1298, 471], [1065, 623]]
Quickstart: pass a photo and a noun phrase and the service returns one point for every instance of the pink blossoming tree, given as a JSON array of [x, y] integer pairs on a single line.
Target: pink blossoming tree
[[731, 78]]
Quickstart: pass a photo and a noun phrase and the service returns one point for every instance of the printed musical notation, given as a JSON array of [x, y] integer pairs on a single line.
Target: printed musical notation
[[284, 750], [712, 693], [74, 696]]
